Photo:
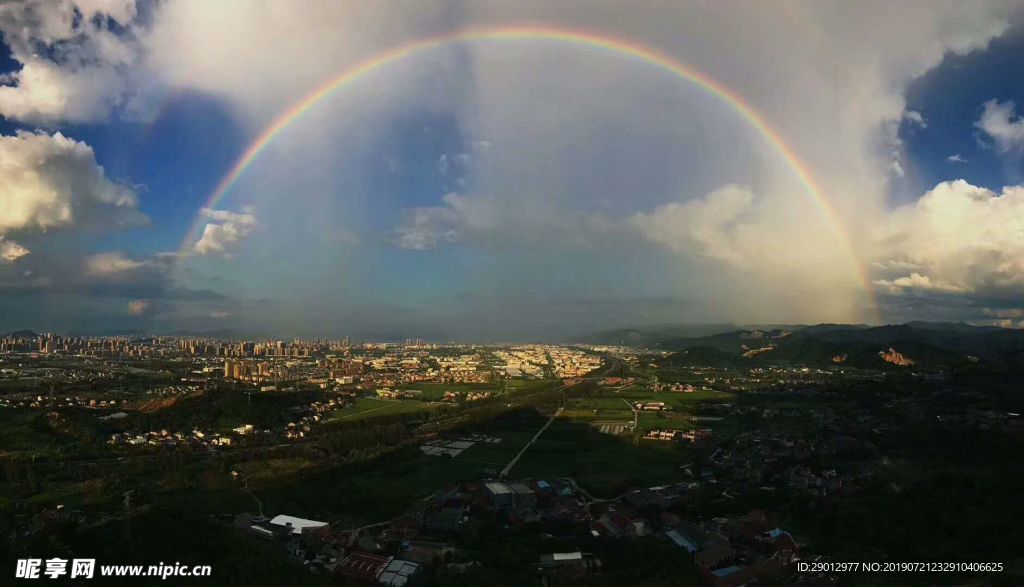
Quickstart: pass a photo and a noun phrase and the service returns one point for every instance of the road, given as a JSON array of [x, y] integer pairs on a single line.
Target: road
[[507, 469], [580, 490]]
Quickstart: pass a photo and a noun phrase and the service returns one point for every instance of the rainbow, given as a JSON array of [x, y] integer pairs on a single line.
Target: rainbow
[[620, 47]]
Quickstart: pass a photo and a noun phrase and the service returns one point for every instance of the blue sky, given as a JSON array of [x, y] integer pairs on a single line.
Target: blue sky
[[951, 99], [506, 190]]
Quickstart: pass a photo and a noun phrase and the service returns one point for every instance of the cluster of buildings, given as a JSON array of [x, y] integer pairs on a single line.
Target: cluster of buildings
[[465, 396], [194, 439], [632, 356], [675, 387], [53, 400], [313, 414], [537, 361], [388, 393], [694, 436], [569, 363], [396, 552], [770, 378], [727, 551], [523, 362], [329, 364], [50, 401], [463, 368], [397, 366], [735, 551], [619, 382], [382, 369], [295, 348], [258, 371], [324, 549], [139, 346], [651, 406], [113, 346]]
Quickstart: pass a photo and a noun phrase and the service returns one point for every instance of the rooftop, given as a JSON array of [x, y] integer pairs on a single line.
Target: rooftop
[[297, 524]]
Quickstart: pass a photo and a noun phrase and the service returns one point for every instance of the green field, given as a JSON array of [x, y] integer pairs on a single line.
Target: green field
[[371, 492], [383, 486], [373, 407], [603, 464], [223, 409], [435, 391], [532, 385], [611, 406], [268, 469], [601, 403]]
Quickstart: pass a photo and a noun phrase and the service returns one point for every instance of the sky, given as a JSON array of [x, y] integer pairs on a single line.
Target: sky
[[692, 162]]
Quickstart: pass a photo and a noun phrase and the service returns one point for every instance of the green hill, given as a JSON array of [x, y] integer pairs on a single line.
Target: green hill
[[919, 344]]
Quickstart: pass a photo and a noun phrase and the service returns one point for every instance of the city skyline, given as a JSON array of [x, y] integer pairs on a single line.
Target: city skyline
[[507, 174]]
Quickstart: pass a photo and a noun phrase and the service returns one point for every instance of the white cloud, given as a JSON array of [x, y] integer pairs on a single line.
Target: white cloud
[[956, 158], [112, 264], [200, 45], [427, 227], [139, 307], [770, 249], [11, 251], [50, 181], [225, 231], [958, 238], [916, 281], [709, 226], [916, 118], [1005, 317], [74, 56], [896, 167], [422, 238], [1000, 121], [116, 271]]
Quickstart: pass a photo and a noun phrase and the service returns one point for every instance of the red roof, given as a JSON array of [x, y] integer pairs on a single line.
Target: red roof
[[360, 565]]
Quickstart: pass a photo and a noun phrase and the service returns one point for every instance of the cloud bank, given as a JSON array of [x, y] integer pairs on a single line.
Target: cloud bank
[[959, 239], [53, 182]]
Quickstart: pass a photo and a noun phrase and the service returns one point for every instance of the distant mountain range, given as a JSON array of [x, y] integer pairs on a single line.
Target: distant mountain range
[[656, 336], [916, 344]]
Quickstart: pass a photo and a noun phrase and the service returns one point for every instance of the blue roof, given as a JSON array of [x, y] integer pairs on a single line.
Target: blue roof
[[725, 571], [682, 540]]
